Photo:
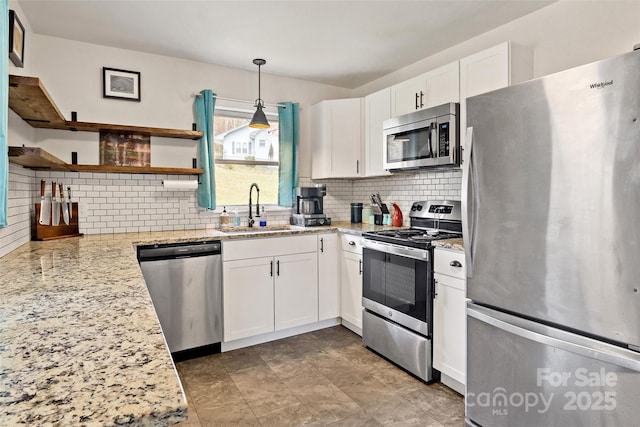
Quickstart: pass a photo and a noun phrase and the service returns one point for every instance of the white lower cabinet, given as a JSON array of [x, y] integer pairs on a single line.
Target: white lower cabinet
[[449, 316], [269, 284], [296, 290], [328, 276], [248, 298], [351, 283]]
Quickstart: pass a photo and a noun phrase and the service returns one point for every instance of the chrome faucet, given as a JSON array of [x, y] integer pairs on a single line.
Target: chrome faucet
[[251, 221]]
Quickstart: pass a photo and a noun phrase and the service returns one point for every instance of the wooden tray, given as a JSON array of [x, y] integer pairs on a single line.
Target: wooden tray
[[50, 232]]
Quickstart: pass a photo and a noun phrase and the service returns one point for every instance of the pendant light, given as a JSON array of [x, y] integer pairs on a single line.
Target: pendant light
[[259, 120]]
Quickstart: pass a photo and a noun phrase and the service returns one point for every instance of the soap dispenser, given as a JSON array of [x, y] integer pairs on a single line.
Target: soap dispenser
[[263, 218], [224, 218]]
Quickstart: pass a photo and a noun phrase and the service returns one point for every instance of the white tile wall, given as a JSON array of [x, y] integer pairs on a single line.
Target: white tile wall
[[401, 188], [20, 207], [126, 203], [123, 203]]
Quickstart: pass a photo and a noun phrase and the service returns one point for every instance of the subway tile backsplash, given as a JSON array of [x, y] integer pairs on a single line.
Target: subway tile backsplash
[[401, 188], [22, 197], [124, 203]]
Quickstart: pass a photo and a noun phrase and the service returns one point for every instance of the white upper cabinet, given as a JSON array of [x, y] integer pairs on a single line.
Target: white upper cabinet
[[500, 66], [432, 88], [377, 108], [405, 96], [337, 139]]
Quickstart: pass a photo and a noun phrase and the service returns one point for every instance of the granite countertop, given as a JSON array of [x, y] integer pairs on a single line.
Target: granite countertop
[[450, 244], [79, 339]]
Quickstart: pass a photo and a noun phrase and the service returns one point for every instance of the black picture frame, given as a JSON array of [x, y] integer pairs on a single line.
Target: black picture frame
[[120, 84], [16, 40]]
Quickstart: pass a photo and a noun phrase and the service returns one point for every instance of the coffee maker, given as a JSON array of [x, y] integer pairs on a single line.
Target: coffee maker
[[309, 209]]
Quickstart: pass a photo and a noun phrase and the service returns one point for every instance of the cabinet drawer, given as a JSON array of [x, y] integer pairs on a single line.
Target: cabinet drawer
[[275, 246], [446, 261], [351, 243]]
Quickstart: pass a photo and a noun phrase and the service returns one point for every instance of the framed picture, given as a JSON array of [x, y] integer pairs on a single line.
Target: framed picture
[[16, 40], [120, 84]]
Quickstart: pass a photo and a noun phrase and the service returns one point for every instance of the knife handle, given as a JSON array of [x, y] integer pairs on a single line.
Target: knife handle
[[61, 191], [43, 187], [53, 190], [69, 193]]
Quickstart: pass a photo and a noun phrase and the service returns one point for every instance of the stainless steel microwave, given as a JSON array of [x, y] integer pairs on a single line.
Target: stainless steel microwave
[[425, 138]]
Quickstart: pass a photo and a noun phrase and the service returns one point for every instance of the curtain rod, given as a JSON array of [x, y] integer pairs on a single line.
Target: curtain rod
[[241, 100]]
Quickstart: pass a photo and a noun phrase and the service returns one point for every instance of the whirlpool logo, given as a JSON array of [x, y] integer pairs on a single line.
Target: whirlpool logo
[[600, 85]]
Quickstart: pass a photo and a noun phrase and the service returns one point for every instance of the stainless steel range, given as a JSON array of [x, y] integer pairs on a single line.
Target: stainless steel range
[[397, 285]]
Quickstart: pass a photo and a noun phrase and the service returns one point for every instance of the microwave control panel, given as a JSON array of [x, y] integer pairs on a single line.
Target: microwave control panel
[[443, 139]]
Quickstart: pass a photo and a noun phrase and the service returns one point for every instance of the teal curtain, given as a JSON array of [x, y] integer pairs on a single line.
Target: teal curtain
[[288, 121], [204, 106], [4, 103]]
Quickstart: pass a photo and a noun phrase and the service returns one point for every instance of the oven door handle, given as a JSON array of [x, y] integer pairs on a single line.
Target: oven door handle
[[414, 253]]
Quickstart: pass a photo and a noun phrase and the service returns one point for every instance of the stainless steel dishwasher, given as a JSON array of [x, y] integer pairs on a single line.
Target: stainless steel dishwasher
[[185, 284]]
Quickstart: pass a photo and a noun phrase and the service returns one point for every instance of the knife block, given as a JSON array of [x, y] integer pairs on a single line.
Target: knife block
[[50, 232]]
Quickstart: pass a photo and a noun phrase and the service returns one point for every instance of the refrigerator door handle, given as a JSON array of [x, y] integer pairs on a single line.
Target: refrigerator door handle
[[468, 201], [553, 337]]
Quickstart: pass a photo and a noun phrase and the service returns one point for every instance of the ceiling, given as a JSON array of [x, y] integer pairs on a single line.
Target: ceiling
[[341, 43]]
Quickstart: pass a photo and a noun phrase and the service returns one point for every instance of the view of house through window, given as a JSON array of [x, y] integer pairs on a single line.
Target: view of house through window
[[244, 155]]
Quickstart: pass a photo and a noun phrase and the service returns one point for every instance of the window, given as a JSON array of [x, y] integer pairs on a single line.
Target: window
[[244, 155]]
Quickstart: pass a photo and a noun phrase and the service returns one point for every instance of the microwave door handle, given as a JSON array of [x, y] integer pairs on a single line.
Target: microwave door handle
[[431, 129]]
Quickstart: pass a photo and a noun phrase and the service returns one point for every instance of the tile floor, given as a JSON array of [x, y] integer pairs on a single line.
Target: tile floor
[[322, 378]]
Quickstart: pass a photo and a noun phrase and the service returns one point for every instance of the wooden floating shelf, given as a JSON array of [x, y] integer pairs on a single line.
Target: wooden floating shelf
[[167, 133], [31, 101], [134, 169], [37, 158]]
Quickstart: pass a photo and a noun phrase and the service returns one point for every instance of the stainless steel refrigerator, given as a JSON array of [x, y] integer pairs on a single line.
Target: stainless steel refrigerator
[[551, 207]]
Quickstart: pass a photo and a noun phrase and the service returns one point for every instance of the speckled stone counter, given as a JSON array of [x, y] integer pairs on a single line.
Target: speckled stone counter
[[450, 244], [79, 339], [80, 343]]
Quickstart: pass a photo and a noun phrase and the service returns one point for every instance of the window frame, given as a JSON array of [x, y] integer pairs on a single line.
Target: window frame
[[237, 110]]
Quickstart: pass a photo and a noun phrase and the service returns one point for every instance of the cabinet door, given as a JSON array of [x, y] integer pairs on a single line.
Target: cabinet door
[[296, 290], [328, 277], [351, 302], [406, 96], [377, 108], [320, 144], [449, 327], [336, 132], [442, 85], [346, 138], [248, 297]]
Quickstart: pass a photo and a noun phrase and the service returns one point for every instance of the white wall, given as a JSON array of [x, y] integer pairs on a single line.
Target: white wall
[[72, 73], [562, 35]]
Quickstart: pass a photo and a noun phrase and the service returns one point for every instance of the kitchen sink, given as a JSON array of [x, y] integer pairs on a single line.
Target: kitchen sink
[[256, 230]]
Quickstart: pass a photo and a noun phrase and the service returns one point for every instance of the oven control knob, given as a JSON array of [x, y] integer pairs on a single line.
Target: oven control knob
[[390, 313], [419, 208], [321, 221]]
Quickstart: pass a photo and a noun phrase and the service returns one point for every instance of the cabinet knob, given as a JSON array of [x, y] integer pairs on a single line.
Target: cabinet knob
[[352, 243], [455, 263]]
